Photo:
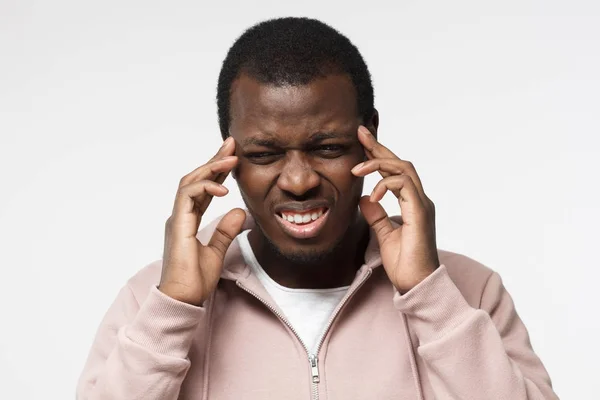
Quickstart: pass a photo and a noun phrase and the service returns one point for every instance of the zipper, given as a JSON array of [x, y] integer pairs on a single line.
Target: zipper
[[312, 358], [314, 368], [339, 307]]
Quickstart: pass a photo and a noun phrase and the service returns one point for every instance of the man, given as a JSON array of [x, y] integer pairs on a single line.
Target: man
[[313, 292]]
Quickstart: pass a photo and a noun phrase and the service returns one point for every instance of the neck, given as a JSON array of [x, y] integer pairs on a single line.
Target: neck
[[335, 270]]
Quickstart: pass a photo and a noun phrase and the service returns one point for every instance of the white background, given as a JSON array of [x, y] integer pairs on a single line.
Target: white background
[[104, 106]]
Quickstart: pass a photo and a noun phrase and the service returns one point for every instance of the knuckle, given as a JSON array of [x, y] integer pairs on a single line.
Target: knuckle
[[221, 240], [390, 182], [403, 179], [409, 164], [379, 224], [205, 183], [220, 245], [385, 184], [411, 182], [390, 165], [223, 235], [184, 180]]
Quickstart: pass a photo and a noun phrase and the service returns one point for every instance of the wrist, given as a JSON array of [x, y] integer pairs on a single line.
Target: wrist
[[182, 293]]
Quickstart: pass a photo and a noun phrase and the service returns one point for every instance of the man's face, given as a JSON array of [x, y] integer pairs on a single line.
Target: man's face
[[296, 146]]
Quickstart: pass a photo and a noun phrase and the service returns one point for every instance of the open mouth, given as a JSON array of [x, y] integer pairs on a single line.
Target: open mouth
[[302, 218], [303, 224]]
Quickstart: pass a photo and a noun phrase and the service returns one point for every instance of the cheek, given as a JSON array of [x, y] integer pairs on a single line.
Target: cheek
[[253, 180], [339, 173]]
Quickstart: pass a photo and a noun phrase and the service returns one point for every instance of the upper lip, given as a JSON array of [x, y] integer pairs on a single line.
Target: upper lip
[[301, 206]]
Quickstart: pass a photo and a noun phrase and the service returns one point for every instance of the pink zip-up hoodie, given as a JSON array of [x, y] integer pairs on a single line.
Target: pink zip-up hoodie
[[456, 335]]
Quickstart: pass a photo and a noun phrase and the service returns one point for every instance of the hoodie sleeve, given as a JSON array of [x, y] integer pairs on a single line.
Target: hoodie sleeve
[[140, 351], [473, 353]]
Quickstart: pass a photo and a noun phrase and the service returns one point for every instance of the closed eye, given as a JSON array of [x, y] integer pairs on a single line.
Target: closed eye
[[330, 150], [324, 151], [262, 157]]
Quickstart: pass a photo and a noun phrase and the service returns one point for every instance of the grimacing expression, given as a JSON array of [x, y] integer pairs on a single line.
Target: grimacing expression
[[296, 146]]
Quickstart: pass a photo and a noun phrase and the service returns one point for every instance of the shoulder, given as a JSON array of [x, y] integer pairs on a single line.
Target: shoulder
[[469, 276]]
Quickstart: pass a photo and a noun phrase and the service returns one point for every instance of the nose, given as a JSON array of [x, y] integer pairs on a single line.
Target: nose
[[297, 176]]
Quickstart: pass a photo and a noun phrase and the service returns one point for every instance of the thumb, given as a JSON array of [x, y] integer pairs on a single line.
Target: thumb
[[228, 228], [377, 218]]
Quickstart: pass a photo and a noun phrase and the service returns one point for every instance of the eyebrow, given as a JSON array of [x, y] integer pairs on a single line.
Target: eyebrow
[[315, 138], [257, 141], [320, 136]]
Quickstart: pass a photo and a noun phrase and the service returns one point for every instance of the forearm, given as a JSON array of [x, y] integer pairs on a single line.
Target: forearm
[[466, 353], [145, 358]]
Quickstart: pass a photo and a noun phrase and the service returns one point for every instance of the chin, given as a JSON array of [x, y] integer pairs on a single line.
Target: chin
[[304, 254], [306, 251]]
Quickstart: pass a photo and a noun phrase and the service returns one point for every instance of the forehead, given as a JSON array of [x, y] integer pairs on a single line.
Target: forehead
[[324, 104]]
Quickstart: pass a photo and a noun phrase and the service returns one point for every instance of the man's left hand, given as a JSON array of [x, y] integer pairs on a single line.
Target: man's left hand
[[409, 251]]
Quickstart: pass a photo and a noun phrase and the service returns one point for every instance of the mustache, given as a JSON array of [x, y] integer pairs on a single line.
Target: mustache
[[301, 206]]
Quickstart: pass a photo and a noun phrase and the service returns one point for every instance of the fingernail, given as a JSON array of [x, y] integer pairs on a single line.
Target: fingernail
[[358, 167], [364, 130]]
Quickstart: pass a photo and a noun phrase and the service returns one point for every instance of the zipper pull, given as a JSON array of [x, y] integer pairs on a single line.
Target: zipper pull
[[314, 367]]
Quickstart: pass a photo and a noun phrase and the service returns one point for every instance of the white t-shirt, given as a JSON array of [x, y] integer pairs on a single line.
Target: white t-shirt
[[307, 310]]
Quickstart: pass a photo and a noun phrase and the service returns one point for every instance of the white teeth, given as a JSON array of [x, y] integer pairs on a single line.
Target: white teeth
[[302, 218]]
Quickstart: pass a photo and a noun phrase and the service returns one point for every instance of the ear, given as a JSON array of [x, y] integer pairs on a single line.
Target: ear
[[373, 123]]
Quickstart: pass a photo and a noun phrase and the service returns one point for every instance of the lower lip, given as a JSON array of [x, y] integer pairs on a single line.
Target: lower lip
[[304, 231]]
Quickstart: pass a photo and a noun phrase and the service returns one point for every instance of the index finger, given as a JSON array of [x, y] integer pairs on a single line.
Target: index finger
[[227, 149], [373, 148]]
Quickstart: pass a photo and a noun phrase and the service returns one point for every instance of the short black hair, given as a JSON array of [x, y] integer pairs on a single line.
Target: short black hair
[[292, 51]]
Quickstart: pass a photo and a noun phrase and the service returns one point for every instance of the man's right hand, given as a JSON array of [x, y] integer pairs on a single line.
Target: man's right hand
[[190, 269]]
